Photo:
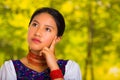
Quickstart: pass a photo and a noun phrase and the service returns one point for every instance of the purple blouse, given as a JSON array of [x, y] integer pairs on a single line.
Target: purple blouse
[[25, 73]]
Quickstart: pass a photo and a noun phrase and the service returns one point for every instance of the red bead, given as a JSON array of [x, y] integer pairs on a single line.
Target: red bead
[[56, 74]]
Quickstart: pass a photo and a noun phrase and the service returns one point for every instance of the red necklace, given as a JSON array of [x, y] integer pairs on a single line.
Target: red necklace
[[35, 59]]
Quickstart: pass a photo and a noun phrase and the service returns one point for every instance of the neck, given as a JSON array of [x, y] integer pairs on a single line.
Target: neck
[[35, 59]]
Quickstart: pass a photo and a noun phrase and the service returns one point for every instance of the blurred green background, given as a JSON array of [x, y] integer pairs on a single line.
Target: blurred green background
[[92, 36]]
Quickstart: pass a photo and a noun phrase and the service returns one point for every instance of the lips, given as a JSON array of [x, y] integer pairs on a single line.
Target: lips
[[36, 40]]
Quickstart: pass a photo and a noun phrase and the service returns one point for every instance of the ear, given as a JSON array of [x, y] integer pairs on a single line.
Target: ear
[[58, 39]]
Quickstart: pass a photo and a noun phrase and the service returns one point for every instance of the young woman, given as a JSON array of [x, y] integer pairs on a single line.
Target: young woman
[[46, 28]]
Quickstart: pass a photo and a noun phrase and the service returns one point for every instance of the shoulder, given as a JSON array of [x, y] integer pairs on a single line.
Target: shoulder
[[72, 65], [8, 62], [72, 71], [7, 71], [68, 63], [7, 65]]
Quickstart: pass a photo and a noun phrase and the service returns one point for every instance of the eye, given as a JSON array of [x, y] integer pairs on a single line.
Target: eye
[[34, 24], [48, 29]]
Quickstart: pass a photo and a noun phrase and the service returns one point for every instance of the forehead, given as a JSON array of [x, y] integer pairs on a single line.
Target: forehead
[[44, 15]]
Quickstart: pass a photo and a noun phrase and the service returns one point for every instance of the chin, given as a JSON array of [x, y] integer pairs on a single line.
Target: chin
[[35, 48]]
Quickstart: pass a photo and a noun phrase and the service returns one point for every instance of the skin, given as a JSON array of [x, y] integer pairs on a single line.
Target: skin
[[42, 38]]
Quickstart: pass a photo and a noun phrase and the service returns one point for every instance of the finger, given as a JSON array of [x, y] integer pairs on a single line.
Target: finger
[[52, 46], [44, 49], [40, 54]]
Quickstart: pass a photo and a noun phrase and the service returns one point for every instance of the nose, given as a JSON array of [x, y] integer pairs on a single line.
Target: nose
[[38, 32]]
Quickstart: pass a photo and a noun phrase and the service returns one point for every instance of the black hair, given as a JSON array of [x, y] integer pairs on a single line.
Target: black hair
[[56, 15]]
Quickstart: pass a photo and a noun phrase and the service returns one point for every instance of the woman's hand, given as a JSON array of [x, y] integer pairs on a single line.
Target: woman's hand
[[49, 54]]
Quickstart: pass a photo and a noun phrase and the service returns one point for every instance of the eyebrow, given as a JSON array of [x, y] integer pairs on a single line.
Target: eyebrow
[[45, 24], [49, 26], [35, 21]]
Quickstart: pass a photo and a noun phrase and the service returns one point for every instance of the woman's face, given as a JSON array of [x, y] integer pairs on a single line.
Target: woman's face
[[42, 31]]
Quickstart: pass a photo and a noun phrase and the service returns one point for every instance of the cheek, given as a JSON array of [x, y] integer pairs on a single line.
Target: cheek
[[49, 39], [30, 33]]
